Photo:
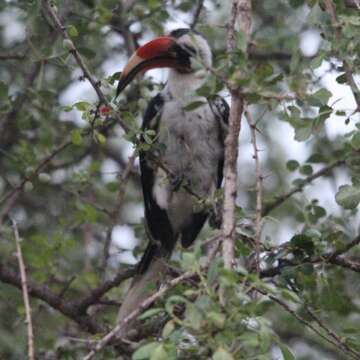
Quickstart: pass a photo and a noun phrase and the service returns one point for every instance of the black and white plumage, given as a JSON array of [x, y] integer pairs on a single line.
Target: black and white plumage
[[193, 148], [194, 154]]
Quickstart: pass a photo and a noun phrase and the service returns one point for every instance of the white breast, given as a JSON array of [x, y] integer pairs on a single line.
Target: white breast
[[192, 152]]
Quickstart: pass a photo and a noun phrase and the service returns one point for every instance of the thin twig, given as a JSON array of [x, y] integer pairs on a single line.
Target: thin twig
[[198, 10], [331, 10], [332, 258], [96, 294], [352, 4], [51, 11], [12, 56], [259, 190], [115, 214], [241, 9], [24, 287], [74, 310], [287, 308], [331, 333], [11, 196], [147, 302], [280, 199]]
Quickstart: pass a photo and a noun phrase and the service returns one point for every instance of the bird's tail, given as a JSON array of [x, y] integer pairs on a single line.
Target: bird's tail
[[151, 271], [153, 250]]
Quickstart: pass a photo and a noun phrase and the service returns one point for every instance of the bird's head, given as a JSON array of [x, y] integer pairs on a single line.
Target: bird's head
[[174, 51]]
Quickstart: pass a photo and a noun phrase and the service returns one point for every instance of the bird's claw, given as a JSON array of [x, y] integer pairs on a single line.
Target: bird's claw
[[176, 181]]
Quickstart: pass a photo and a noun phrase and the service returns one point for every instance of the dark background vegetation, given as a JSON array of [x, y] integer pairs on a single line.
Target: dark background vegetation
[[66, 178]]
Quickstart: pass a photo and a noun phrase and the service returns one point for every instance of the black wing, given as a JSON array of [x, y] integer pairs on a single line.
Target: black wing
[[156, 218], [220, 109]]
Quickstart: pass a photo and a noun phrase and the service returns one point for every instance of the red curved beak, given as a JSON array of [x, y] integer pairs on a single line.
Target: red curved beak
[[158, 53]]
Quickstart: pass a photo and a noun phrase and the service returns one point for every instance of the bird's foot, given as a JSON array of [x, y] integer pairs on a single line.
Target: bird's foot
[[176, 181], [215, 218]]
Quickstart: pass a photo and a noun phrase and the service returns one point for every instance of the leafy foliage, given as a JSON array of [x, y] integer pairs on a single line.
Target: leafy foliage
[[65, 177]]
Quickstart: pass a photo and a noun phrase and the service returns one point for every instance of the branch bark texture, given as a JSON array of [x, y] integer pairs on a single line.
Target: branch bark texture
[[24, 288], [240, 12]]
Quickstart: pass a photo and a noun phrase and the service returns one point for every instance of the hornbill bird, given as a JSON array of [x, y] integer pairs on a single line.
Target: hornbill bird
[[192, 155], [189, 161]]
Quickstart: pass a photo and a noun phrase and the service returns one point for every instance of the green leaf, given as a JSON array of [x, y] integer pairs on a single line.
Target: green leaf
[[303, 133], [319, 211], [353, 20], [88, 213], [264, 71], [88, 53], [306, 170], [72, 31], [317, 61], [241, 41], [218, 319], [194, 316], [302, 244], [222, 354], [286, 353], [174, 300], [168, 328], [355, 141], [149, 136], [112, 186], [67, 108], [193, 105], [145, 351], [76, 137], [320, 97], [159, 353], [28, 186], [82, 105], [213, 271], [296, 3], [129, 119], [292, 165], [341, 79], [188, 261], [316, 158], [3, 90], [114, 77], [100, 138], [149, 313], [291, 296], [348, 196], [44, 177]]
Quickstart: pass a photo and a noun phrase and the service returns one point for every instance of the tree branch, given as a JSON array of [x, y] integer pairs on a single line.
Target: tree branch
[[51, 11], [74, 310], [96, 294], [12, 56], [24, 288], [331, 10], [196, 17], [240, 9], [259, 191], [43, 293], [280, 199], [331, 333], [11, 196], [116, 213], [309, 325], [146, 303], [332, 258], [352, 4]]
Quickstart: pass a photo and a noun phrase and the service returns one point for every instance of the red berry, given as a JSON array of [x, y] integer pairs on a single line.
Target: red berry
[[104, 110]]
